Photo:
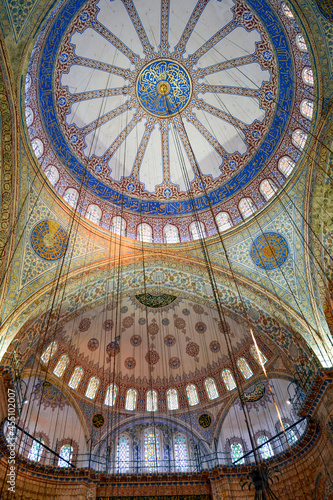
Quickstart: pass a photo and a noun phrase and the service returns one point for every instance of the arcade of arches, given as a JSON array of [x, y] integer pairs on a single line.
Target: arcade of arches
[[166, 246]]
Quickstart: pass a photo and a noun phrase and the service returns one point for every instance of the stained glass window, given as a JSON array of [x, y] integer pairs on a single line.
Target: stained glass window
[[244, 368], [181, 453], [151, 401], [237, 453], [152, 447], [228, 379], [211, 388], [286, 165], [197, 230], [172, 398], [145, 233], [92, 388], [123, 453], [94, 214], [36, 450], [254, 353], [131, 399], [75, 378], [171, 234], [266, 450], [299, 138], [246, 207], [118, 226], [52, 174], [66, 452], [71, 196], [223, 221], [306, 108], [307, 75], [192, 395], [300, 42], [286, 10], [267, 189], [50, 351], [111, 395], [61, 365]]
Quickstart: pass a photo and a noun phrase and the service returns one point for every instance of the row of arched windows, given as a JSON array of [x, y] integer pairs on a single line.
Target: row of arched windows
[[151, 451], [151, 398], [65, 452]]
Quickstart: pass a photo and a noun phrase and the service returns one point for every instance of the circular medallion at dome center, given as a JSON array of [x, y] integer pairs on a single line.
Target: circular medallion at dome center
[[163, 88]]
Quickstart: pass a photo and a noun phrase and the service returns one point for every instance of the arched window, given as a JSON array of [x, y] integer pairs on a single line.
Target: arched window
[[307, 75], [171, 234], [299, 138], [151, 401], [118, 225], [50, 351], [267, 189], [286, 166], [152, 449], [172, 398], [228, 379], [266, 450], [286, 10], [145, 233], [71, 196], [211, 388], [36, 449], [306, 108], [66, 452], [131, 397], [61, 366], [52, 174], [181, 453], [197, 230], [223, 221], [123, 453], [111, 394], [29, 116], [237, 452], [38, 147], [192, 395], [92, 388], [94, 213], [75, 378], [300, 42], [244, 368], [254, 353], [246, 207]]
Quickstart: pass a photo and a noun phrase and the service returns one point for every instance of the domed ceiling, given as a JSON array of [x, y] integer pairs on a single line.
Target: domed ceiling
[[155, 110]]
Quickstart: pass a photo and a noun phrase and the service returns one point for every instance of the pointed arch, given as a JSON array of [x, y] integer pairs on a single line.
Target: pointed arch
[[92, 388], [61, 365], [211, 388], [172, 398]]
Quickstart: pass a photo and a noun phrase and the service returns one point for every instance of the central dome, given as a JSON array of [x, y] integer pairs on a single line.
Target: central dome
[[162, 110]]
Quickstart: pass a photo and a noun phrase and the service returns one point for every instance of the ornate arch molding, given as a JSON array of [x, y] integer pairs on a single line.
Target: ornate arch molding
[[320, 219], [9, 175]]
